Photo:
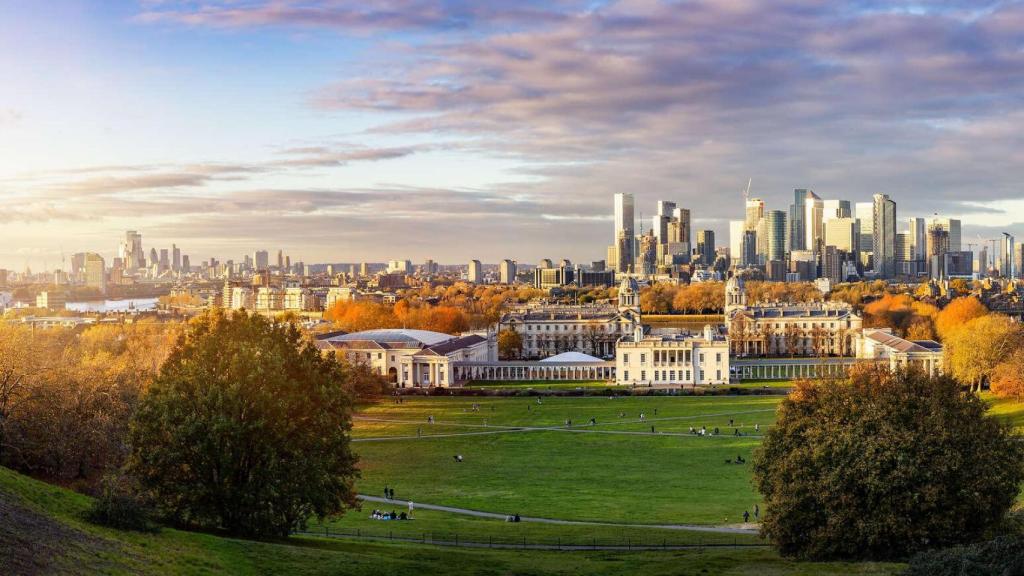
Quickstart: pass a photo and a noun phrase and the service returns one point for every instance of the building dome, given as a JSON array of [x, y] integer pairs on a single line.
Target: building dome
[[735, 284], [629, 286]]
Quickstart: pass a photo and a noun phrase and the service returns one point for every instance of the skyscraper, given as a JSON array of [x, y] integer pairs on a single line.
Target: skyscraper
[[796, 220], [836, 209], [131, 251], [736, 242], [814, 218], [883, 235], [917, 238], [775, 234], [865, 215], [261, 259], [661, 220], [754, 213], [624, 238], [682, 217], [706, 246], [1007, 266], [843, 234], [951, 226], [95, 272], [175, 258]]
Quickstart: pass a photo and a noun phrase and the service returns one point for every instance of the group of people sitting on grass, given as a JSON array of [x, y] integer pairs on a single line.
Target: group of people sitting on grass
[[739, 460], [381, 515], [514, 518], [703, 431]]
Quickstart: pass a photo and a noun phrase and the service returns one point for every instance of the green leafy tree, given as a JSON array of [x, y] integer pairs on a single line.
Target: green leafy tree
[[246, 428], [882, 465]]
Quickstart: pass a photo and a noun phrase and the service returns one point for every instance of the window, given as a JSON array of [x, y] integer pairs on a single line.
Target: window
[[643, 375], [718, 357], [672, 375], [625, 375], [643, 358], [687, 356], [718, 375], [625, 358], [687, 374]]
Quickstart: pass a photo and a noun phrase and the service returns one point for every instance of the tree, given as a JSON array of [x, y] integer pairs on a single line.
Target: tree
[[884, 464], [958, 313], [246, 428], [973, 352], [510, 344], [1008, 377]]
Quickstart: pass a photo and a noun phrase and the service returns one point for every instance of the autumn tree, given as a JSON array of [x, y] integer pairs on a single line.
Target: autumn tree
[[958, 313], [884, 464], [1008, 376], [510, 344], [246, 428], [973, 352]]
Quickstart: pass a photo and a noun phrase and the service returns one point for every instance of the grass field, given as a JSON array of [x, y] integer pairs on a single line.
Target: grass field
[[614, 470], [44, 533]]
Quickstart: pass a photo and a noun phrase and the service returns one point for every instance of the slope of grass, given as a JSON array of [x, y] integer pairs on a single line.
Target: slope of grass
[[77, 547]]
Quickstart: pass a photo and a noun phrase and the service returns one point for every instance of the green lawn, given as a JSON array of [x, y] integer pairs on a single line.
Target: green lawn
[[1007, 408], [588, 472], [539, 384], [50, 520]]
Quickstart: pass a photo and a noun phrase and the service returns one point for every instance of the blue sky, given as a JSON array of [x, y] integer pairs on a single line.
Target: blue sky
[[343, 131]]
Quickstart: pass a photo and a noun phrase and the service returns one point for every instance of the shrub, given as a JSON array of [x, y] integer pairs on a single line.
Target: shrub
[[120, 505], [1003, 556]]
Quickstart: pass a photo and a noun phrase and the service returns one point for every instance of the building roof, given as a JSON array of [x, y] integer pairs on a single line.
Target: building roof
[[900, 344], [391, 338], [575, 357], [454, 344]]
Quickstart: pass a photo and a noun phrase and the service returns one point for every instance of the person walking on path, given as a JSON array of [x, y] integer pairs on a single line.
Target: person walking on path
[[757, 512], [386, 492], [746, 516], [410, 508]]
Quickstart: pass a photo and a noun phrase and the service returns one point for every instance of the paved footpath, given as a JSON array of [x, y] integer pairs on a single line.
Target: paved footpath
[[493, 515]]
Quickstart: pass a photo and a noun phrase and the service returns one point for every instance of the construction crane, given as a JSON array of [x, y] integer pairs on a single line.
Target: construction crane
[[746, 192]]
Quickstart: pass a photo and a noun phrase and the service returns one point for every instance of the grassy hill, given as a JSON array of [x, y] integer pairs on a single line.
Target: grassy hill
[[42, 531]]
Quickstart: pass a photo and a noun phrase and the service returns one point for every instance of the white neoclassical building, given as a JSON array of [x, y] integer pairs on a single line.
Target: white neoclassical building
[[672, 358], [881, 345], [550, 329], [812, 329], [410, 358]]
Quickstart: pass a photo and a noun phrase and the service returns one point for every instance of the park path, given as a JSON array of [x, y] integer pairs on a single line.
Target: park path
[[497, 516]]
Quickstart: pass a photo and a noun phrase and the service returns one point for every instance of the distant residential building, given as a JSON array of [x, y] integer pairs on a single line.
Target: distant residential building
[[51, 300], [507, 272], [706, 246], [474, 272]]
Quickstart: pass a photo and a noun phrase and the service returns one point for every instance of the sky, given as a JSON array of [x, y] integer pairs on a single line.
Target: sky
[[344, 131]]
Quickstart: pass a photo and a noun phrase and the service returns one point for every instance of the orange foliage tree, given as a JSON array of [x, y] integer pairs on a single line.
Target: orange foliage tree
[[1008, 377], [957, 313], [906, 316]]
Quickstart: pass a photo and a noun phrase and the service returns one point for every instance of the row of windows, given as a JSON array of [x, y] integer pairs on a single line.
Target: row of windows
[[672, 356], [575, 327], [670, 375]]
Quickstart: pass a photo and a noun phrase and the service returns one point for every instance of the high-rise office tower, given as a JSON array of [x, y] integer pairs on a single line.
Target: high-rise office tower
[[706, 246], [814, 218], [864, 212], [754, 213], [154, 258], [843, 234], [661, 219], [797, 234], [775, 233], [95, 272], [261, 259], [836, 209], [917, 238], [883, 235], [682, 217], [624, 238], [1007, 266], [507, 271], [186, 266], [131, 251], [736, 242], [474, 273], [175, 258], [165, 259], [280, 259], [748, 248], [952, 226]]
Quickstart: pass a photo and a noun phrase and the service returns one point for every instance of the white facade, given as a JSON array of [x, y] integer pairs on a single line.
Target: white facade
[[672, 359]]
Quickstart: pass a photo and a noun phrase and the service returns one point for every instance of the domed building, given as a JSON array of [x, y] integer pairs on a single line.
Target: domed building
[[409, 358]]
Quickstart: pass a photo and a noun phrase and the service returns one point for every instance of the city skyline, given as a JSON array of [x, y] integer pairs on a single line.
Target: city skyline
[[157, 117]]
